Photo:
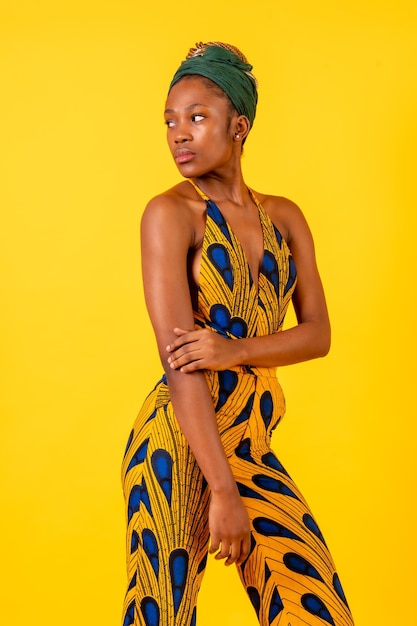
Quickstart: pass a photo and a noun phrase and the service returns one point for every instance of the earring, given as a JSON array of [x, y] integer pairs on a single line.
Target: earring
[[237, 136]]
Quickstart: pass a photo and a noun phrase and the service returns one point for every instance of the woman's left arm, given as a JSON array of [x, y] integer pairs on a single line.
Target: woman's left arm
[[205, 349]]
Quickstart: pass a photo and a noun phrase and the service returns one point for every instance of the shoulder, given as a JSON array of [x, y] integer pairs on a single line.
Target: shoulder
[[174, 212], [176, 201], [285, 214]]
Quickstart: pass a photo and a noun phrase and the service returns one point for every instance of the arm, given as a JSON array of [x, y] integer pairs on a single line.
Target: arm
[[308, 340], [167, 235], [311, 337]]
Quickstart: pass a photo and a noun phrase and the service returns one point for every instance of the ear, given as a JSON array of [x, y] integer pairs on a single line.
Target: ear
[[241, 128]]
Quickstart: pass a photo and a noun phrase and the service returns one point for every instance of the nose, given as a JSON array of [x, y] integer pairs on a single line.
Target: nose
[[182, 134]]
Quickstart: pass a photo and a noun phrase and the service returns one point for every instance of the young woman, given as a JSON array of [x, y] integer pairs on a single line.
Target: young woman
[[220, 266]]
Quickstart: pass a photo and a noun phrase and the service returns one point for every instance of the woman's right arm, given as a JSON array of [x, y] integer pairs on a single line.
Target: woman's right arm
[[167, 234]]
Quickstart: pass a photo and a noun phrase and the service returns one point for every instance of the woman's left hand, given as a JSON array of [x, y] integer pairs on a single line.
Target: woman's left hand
[[201, 350]]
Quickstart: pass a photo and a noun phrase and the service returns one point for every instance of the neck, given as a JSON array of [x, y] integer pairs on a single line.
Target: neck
[[224, 188]]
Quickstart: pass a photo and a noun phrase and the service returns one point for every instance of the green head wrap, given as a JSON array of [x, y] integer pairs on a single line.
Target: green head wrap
[[229, 72]]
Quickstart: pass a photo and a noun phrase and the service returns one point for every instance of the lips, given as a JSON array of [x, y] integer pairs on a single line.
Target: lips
[[183, 155]]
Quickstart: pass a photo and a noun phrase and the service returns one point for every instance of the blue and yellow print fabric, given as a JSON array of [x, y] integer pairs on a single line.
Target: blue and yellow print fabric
[[289, 574]]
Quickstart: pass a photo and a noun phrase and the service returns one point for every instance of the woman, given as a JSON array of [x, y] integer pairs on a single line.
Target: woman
[[220, 266]]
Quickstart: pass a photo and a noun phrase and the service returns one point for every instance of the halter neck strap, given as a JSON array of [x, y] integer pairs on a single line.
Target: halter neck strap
[[198, 190]]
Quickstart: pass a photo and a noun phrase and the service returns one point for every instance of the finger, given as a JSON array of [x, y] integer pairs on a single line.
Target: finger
[[184, 337], [214, 543], [234, 553], [183, 354], [184, 358], [192, 365], [224, 552], [181, 331], [176, 344], [244, 550]]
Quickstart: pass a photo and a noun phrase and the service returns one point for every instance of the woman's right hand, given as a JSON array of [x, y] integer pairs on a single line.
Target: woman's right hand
[[229, 528]]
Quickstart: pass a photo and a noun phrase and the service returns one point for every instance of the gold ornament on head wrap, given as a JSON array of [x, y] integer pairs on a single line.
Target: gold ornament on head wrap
[[201, 47]]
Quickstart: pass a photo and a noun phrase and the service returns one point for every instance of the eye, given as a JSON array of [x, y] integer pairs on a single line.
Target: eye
[[197, 117], [170, 123]]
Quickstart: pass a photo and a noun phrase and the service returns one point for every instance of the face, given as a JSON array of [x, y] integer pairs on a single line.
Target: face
[[200, 128]]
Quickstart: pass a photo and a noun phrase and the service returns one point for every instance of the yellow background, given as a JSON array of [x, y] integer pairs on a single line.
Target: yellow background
[[82, 150]]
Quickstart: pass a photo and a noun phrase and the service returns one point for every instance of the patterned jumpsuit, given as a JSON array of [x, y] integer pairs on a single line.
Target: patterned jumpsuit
[[289, 574]]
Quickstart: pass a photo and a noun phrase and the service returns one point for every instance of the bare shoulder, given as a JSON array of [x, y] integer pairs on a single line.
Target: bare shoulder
[[285, 214], [176, 210], [175, 202]]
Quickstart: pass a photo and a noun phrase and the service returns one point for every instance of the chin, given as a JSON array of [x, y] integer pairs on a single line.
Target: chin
[[190, 170]]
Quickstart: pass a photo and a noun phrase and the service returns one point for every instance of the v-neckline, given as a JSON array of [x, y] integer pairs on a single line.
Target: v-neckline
[[233, 234]]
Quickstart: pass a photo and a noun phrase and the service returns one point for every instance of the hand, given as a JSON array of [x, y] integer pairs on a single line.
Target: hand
[[201, 350], [229, 529]]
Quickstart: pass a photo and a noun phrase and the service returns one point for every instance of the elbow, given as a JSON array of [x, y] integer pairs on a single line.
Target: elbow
[[323, 349], [323, 341]]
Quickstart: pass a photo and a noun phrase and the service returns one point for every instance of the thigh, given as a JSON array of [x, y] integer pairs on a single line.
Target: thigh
[[289, 575], [167, 530]]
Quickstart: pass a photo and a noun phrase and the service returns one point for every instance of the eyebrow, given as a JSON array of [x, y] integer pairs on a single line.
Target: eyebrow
[[188, 108]]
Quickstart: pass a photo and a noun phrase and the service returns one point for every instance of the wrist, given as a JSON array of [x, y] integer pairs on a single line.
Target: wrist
[[241, 352], [225, 490]]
